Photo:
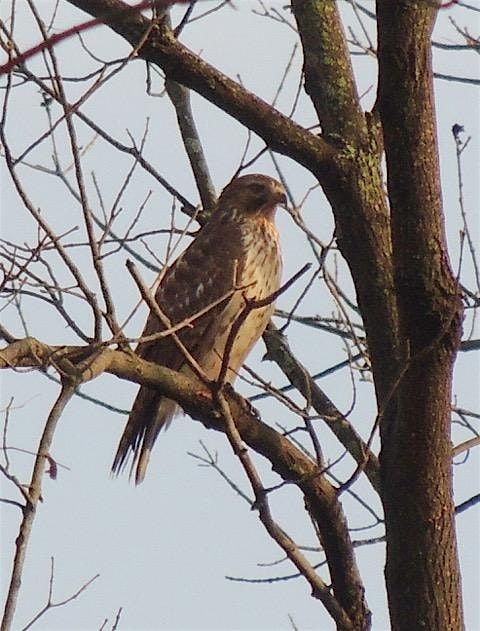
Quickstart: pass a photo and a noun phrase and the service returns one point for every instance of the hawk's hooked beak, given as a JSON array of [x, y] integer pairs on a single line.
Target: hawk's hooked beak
[[282, 201], [275, 195], [280, 196]]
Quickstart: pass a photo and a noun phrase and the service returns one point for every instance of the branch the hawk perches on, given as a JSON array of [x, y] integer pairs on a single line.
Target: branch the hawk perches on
[[236, 255]]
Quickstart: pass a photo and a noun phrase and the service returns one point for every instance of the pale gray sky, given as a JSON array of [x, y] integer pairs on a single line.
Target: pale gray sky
[[163, 549]]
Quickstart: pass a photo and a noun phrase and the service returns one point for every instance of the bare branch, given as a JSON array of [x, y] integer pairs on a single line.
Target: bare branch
[[34, 496], [183, 66], [50, 604], [279, 352], [319, 589], [288, 461], [180, 98]]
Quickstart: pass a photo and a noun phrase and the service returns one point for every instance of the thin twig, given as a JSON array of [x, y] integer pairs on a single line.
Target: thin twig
[[29, 511], [180, 98], [320, 589], [251, 305], [50, 604]]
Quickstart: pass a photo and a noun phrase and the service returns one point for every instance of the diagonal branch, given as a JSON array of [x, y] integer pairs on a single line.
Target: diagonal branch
[[182, 65], [287, 460], [328, 71], [350, 176], [30, 507], [319, 588], [180, 98], [279, 352]]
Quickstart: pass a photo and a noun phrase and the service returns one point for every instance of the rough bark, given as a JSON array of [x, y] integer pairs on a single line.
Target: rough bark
[[329, 79], [422, 574], [354, 187]]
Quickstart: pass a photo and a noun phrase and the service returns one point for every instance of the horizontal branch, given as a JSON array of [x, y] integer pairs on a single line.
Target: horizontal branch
[[86, 363]]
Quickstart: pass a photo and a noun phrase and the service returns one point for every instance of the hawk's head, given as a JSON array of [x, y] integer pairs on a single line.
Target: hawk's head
[[254, 194]]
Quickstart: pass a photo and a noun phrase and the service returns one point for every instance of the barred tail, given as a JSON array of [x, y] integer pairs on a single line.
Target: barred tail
[[150, 413]]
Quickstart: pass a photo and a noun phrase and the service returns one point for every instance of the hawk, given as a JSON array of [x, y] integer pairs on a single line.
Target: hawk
[[236, 255]]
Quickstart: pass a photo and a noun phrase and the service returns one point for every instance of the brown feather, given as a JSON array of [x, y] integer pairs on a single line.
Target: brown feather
[[238, 247]]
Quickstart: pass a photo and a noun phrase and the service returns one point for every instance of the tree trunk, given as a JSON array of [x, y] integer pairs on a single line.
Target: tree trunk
[[422, 573]]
